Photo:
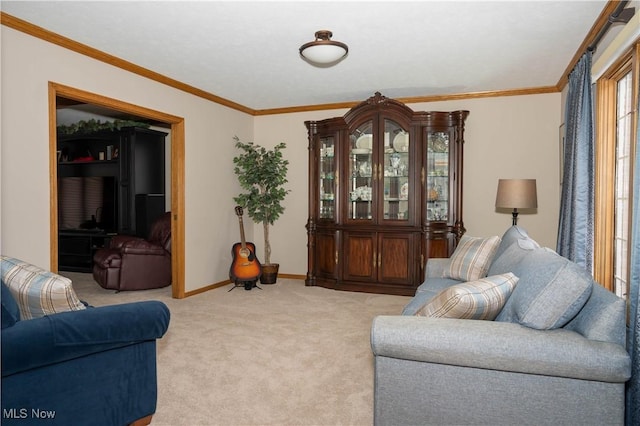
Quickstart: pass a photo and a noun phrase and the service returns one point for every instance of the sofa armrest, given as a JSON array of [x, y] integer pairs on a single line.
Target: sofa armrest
[[64, 336], [435, 267], [107, 257], [499, 346]]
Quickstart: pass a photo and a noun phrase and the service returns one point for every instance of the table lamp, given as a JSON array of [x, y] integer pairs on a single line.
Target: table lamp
[[516, 194]]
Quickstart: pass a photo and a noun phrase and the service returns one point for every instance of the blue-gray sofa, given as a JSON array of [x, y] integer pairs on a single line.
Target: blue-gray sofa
[[553, 355], [86, 366]]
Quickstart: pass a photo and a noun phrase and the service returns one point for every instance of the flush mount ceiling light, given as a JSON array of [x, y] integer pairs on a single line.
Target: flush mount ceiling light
[[323, 50]]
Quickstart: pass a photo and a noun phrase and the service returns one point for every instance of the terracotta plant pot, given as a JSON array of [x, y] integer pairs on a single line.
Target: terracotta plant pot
[[269, 273]]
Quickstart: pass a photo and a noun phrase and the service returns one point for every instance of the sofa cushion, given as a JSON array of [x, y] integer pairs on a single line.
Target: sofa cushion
[[435, 267], [472, 258], [10, 309], [510, 236], [508, 258], [38, 292], [550, 292], [602, 318], [481, 299], [427, 290]]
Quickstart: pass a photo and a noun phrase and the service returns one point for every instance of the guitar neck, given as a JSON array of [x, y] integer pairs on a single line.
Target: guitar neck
[[242, 239]]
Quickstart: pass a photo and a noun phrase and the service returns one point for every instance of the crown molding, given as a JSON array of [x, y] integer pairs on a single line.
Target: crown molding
[[416, 99], [67, 43]]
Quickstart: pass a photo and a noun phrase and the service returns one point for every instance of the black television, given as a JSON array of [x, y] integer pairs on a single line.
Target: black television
[[88, 203]]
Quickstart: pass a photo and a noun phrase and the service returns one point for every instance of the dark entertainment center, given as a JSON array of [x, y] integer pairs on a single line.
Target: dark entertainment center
[[109, 183]]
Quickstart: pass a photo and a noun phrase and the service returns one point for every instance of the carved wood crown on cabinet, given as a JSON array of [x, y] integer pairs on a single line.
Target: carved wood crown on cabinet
[[385, 194]]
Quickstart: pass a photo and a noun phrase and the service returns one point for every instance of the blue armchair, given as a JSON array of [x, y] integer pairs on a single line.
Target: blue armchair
[[95, 366]]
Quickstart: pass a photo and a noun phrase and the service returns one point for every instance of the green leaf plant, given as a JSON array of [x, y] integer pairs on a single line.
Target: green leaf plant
[[262, 174]]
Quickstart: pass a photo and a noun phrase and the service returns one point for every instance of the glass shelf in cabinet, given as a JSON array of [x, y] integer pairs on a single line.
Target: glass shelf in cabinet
[[365, 180], [396, 216]]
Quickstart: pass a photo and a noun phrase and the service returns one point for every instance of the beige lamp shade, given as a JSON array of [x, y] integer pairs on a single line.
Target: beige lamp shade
[[516, 194]]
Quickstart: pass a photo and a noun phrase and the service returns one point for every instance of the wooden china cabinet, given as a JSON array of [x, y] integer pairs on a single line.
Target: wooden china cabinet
[[385, 194]]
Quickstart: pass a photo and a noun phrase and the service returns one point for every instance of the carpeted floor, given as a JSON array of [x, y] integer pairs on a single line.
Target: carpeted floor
[[284, 355]]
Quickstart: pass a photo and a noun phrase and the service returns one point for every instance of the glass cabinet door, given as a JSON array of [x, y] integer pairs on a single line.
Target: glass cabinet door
[[437, 183], [395, 169], [361, 173], [327, 178]]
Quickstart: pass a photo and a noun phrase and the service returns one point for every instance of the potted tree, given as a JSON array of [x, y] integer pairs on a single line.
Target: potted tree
[[262, 174]]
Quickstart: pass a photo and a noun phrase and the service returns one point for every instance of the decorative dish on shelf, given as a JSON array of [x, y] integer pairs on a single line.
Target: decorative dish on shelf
[[360, 151], [404, 191], [365, 141], [361, 193], [438, 142], [401, 142]]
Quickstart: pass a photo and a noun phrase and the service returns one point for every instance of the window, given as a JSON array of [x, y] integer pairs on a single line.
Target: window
[[615, 144], [622, 185]]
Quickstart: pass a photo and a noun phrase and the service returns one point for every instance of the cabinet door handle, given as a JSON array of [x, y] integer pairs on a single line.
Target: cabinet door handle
[[336, 257], [422, 175], [379, 259]]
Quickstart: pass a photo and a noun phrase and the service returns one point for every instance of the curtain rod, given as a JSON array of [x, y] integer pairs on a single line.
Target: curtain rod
[[620, 15]]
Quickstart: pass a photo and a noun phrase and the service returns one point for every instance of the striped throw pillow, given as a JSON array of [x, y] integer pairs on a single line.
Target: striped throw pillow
[[481, 300], [37, 291], [472, 258]]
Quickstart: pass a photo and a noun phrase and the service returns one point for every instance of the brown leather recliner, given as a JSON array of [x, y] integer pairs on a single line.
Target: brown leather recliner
[[133, 263]]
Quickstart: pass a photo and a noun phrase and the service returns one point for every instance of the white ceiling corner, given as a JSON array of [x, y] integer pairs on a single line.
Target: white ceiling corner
[[247, 51]]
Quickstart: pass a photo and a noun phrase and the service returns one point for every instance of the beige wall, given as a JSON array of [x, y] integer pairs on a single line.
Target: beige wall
[[28, 64], [510, 137]]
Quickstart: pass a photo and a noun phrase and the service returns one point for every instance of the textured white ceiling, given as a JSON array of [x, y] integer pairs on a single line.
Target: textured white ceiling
[[247, 51]]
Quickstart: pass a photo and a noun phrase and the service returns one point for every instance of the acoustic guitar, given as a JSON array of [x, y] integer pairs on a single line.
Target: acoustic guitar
[[245, 266]]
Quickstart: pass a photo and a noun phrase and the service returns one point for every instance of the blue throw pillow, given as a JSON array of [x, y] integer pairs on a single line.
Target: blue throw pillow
[[551, 291], [511, 235], [511, 256], [10, 309]]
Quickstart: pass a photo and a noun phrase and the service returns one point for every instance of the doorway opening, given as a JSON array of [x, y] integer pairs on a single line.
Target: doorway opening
[[61, 96]]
